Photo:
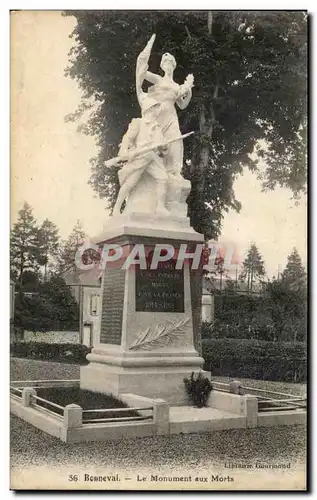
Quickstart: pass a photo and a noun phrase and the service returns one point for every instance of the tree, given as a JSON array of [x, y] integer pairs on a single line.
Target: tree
[[31, 281], [69, 247], [249, 96], [24, 245], [219, 273], [294, 272], [288, 307], [58, 296], [48, 243], [51, 308], [253, 266]]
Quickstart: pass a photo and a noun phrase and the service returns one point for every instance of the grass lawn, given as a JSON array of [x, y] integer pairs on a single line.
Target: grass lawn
[[86, 399]]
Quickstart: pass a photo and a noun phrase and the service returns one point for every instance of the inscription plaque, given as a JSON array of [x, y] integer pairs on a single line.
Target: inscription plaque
[[112, 307], [159, 290]]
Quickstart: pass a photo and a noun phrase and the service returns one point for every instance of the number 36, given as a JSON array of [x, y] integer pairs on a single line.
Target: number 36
[[73, 477]]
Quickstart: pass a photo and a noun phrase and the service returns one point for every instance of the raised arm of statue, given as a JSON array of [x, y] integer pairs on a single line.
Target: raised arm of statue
[[142, 66], [152, 77]]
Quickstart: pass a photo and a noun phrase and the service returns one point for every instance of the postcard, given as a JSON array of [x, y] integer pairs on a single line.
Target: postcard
[[158, 267]]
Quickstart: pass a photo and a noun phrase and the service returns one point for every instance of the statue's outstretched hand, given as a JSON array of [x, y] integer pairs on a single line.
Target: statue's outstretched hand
[[189, 80], [185, 89]]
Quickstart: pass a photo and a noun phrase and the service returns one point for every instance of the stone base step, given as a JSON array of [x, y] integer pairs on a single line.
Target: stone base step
[[185, 419]]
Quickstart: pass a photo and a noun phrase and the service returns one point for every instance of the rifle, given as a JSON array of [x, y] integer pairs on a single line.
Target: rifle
[[119, 159]]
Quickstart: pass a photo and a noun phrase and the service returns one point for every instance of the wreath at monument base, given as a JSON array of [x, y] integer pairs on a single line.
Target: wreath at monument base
[[198, 389]]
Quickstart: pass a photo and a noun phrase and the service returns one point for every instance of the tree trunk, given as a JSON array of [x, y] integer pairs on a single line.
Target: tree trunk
[[196, 281], [248, 280], [45, 268], [204, 153], [206, 125], [209, 22], [21, 271], [205, 129]]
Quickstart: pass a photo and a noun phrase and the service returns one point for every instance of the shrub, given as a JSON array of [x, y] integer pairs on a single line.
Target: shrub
[[280, 361], [50, 352], [198, 389]]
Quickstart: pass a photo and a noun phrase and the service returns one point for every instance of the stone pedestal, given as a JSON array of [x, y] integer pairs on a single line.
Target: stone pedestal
[[146, 337]]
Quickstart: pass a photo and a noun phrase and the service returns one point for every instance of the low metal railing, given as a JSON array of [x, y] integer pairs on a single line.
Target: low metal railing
[[280, 401], [16, 391], [268, 404], [266, 391], [45, 382], [118, 419], [46, 401], [223, 387], [57, 410]]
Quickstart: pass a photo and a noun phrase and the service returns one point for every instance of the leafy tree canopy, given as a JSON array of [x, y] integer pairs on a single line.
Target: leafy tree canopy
[[249, 95]]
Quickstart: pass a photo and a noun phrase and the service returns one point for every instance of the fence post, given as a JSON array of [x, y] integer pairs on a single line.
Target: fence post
[[27, 394], [251, 410], [295, 371], [73, 416], [161, 416]]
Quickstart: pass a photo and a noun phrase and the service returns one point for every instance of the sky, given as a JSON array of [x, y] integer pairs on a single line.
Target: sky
[[50, 158]]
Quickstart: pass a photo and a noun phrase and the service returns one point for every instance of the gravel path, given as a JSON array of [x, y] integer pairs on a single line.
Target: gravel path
[[31, 448], [30, 369]]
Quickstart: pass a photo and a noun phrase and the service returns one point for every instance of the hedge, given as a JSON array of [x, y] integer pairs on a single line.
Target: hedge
[[220, 330], [75, 353], [279, 361]]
